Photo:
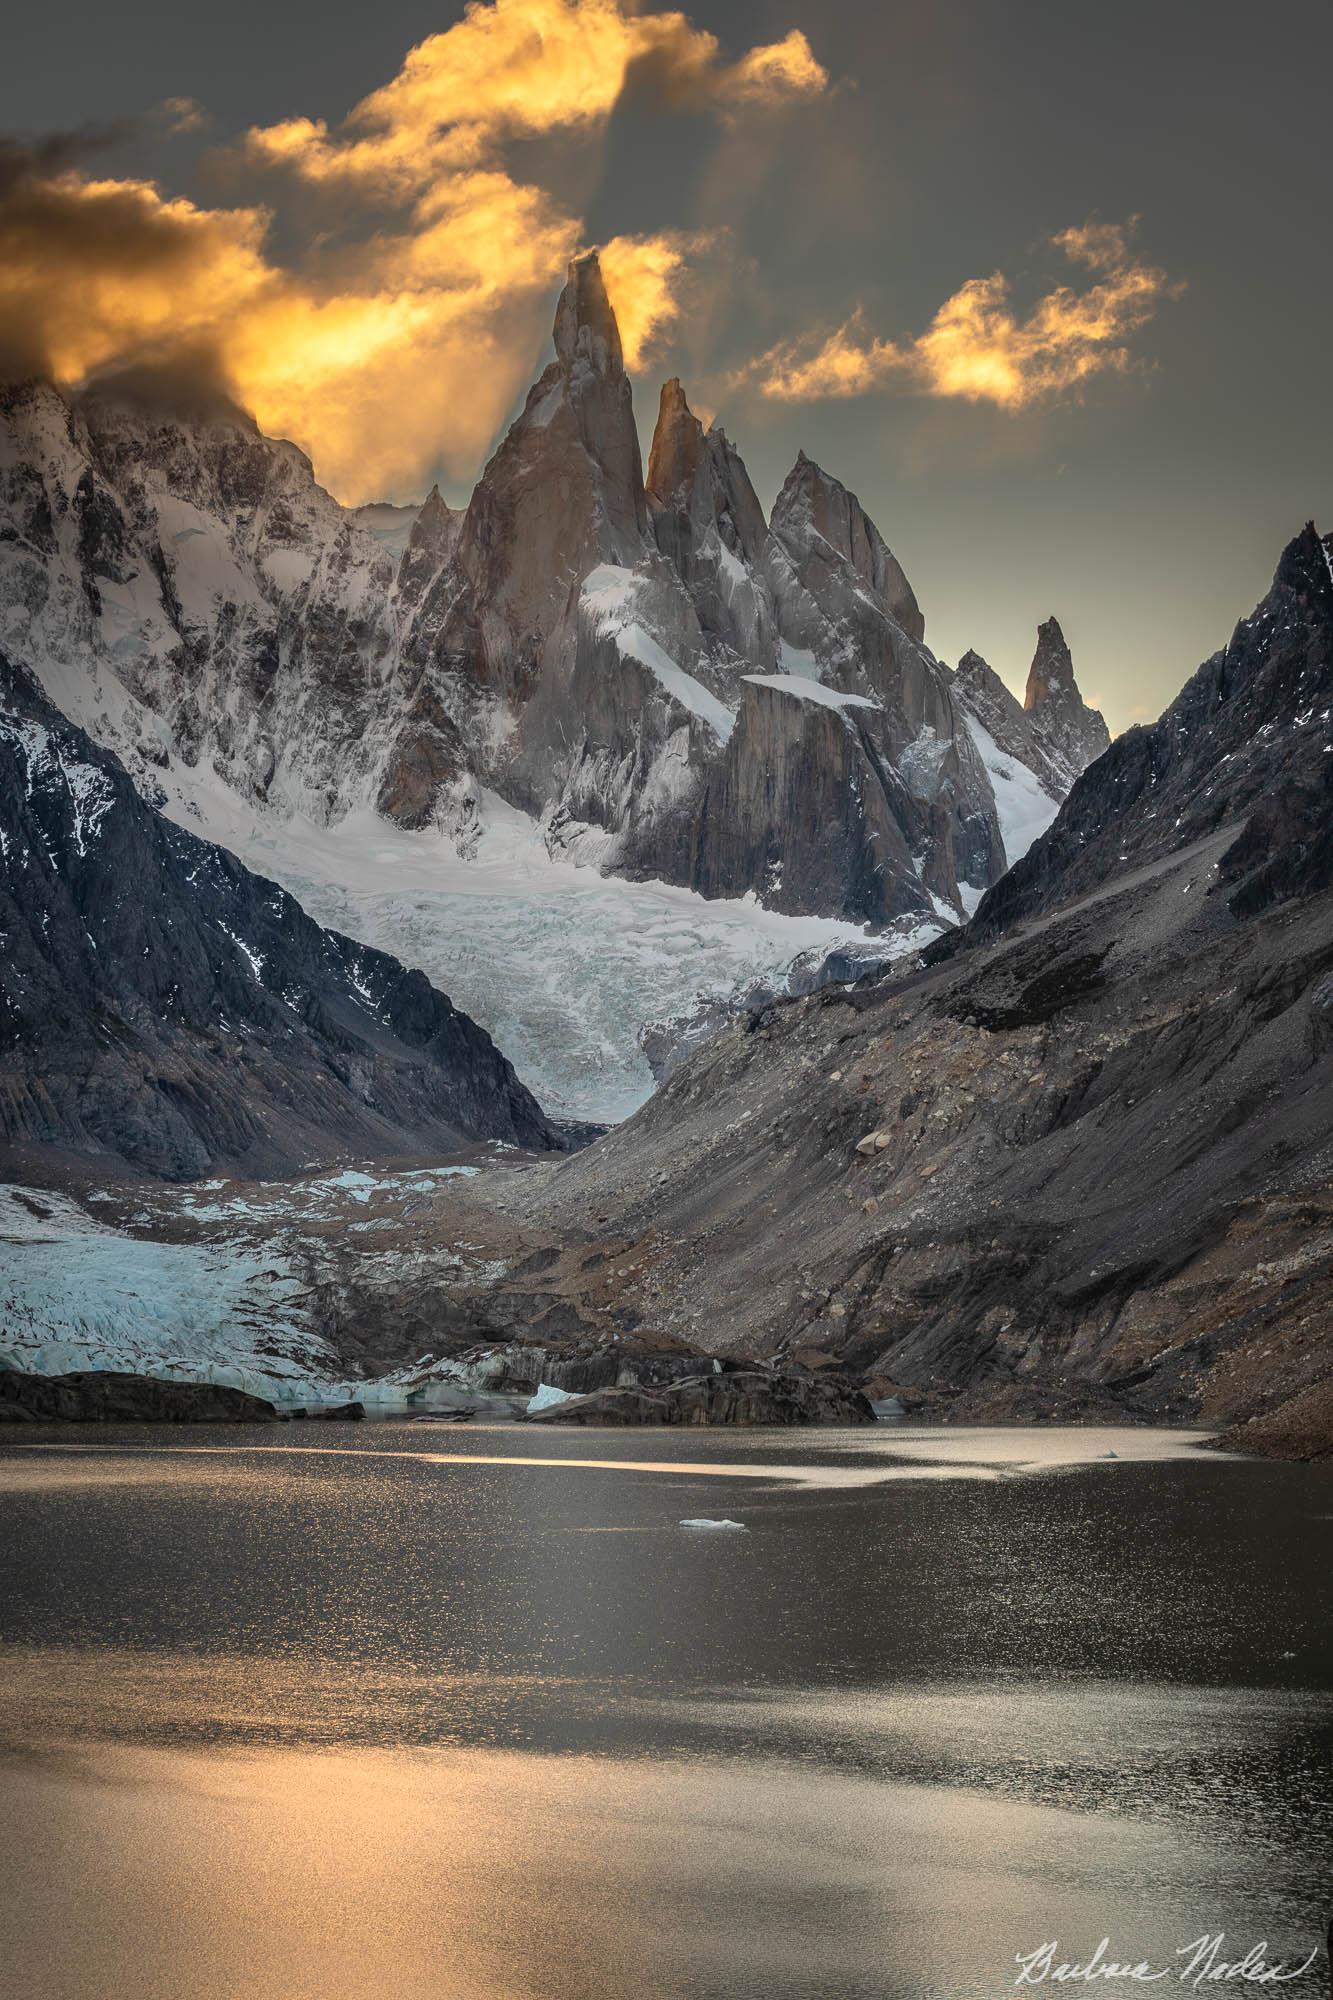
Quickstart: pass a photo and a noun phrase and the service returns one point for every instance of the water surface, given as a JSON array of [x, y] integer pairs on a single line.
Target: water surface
[[412, 1710]]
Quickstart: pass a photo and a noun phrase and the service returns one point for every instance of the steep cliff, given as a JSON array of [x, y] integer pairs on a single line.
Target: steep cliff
[[1244, 742], [1072, 734]]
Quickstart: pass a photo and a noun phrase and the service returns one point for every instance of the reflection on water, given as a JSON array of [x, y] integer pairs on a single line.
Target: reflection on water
[[485, 1876], [280, 1720]]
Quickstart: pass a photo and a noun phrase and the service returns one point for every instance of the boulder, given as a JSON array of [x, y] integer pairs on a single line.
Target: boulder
[[101, 1397], [735, 1396]]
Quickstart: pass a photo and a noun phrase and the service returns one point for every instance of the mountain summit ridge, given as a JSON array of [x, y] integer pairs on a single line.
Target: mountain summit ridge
[[187, 592]]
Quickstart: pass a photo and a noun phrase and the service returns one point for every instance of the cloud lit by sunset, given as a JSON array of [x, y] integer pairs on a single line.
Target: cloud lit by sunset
[[400, 341], [395, 335], [977, 346]]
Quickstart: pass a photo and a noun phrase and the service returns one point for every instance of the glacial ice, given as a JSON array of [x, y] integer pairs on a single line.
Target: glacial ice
[[561, 964]]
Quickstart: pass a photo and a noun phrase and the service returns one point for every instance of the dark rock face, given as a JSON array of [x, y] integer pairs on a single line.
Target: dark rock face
[[95, 1397], [163, 1006], [710, 526], [563, 492], [840, 605], [1079, 1157], [735, 1396], [1244, 743], [815, 517], [804, 806]]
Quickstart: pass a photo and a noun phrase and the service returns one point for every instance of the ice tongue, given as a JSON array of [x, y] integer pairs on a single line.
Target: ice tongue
[[585, 324]]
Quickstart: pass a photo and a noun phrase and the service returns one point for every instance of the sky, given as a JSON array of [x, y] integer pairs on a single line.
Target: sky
[[1047, 286]]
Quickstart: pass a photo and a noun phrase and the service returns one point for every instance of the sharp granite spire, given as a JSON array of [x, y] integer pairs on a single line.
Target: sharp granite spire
[[1072, 734], [585, 322]]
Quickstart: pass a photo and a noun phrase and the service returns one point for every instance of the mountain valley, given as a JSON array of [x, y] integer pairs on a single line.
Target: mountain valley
[[992, 1055]]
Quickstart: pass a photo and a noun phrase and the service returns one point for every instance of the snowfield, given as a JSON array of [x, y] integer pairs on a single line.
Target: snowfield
[[803, 688], [561, 964]]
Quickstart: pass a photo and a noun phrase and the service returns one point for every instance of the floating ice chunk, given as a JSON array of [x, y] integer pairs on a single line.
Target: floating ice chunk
[[735, 1527]]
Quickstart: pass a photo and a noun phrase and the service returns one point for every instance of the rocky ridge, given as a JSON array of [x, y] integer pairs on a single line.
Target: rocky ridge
[[104, 1397]]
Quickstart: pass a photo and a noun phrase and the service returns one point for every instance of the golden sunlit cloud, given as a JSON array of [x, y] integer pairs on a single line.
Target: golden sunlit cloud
[[977, 347], [182, 114], [517, 68], [94, 270], [644, 277], [406, 350], [782, 69], [401, 343]]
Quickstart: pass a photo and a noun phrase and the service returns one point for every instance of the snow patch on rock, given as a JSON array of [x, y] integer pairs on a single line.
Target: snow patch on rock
[[802, 688], [1024, 809]]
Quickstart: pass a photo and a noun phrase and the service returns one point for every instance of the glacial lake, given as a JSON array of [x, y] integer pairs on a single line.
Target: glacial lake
[[421, 1712]]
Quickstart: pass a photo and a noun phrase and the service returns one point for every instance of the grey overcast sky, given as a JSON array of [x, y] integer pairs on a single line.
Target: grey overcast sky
[[1144, 502]]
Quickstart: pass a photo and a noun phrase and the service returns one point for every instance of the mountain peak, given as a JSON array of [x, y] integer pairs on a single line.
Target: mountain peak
[[816, 509], [1306, 564], [678, 442], [1073, 734], [585, 321], [1051, 675]]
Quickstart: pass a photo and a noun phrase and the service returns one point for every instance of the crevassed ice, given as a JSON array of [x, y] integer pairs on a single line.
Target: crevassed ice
[[562, 965]]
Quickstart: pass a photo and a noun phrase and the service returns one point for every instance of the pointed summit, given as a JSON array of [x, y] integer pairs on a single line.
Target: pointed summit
[[1306, 565], [1051, 675], [678, 445], [432, 541], [699, 493], [815, 508], [1072, 734], [585, 322]]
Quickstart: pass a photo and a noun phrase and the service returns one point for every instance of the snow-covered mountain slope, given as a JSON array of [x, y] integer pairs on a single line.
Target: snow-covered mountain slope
[[1034, 750], [165, 1008], [186, 589], [645, 677], [1024, 808]]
